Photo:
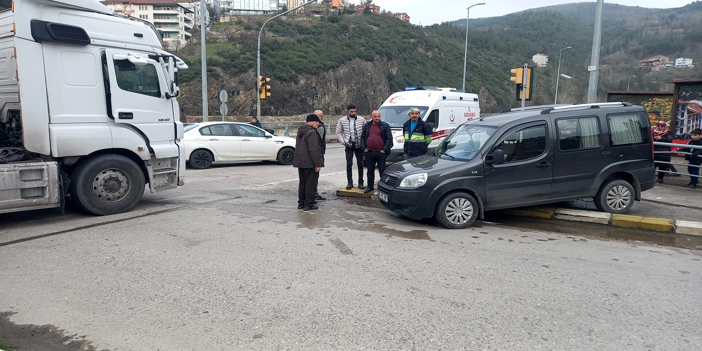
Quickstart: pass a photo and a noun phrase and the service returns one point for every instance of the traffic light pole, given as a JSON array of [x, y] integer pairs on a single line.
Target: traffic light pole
[[524, 84], [258, 54]]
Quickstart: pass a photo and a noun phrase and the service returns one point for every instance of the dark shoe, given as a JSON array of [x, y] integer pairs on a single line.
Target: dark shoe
[[320, 198], [311, 208], [660, 180], [692, 186], [360, 185], [368, 190], [349, 186], [299, 207]]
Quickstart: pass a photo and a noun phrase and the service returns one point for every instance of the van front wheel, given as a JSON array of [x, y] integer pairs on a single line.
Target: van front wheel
[[457, 211], [615, 196]]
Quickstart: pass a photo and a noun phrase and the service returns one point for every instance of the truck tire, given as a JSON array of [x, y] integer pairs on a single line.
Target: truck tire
[[457, 211], [107, 184], [286, 156], [615, 196], [201, 159]]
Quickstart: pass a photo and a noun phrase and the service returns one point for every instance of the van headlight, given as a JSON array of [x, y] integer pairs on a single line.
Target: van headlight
[[414, 180], [400, 139]]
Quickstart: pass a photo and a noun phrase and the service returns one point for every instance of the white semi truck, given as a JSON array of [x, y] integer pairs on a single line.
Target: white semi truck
[[87, 108]]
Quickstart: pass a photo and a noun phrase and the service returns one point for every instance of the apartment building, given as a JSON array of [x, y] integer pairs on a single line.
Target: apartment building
[[248, 7], [173, 20]]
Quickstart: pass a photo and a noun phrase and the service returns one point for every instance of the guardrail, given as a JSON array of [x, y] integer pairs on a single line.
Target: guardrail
[[676, 150], [290, 128]]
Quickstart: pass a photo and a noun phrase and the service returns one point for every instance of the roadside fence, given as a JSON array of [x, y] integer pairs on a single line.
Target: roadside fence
[[676, 149]]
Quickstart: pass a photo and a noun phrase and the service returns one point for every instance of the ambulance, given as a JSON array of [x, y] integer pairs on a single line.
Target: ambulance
[[443, 108]]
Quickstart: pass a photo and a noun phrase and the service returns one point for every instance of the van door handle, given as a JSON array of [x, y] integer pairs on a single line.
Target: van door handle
[[543, 165], [126, 115], [606, 152]]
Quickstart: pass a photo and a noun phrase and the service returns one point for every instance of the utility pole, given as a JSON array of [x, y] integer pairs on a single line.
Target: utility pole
[[203, 60], [465, 57], [595, 58], [258, 54]]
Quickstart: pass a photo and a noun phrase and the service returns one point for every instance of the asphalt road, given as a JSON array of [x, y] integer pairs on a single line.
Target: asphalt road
[[228, 263]]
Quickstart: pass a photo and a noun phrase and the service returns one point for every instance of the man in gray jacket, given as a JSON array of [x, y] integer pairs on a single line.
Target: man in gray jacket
[[309, 160], [348, 132]]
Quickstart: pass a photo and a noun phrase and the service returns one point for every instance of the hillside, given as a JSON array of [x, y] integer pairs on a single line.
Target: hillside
[[335, 59]]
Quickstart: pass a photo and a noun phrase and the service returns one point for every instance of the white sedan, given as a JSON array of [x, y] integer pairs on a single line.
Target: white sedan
[[210, 142]]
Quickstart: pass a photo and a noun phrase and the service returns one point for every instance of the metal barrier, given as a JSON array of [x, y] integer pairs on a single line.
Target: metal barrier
[[292, 126], [671, 152]]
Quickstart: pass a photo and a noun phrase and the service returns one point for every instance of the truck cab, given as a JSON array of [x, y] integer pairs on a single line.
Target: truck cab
[[88, 106]]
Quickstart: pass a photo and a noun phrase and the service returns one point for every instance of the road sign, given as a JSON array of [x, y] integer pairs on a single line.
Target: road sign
[[223, 96], [591, 68], [223, 109]]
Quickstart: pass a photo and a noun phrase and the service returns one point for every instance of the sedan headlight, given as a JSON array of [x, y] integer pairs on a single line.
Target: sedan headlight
[[414, 180], [400, 139]]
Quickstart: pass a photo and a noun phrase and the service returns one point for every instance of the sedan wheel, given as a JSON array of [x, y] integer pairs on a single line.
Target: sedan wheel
[[201, 159], [286, 156]]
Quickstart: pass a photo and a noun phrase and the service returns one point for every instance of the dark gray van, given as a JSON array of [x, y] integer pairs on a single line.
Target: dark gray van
[[540, 155]]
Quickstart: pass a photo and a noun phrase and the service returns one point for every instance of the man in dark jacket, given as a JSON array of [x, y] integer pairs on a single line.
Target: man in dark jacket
[[417, 134], [309, 160], [376, 143], [661, 153], [695, 157], [255, 122]]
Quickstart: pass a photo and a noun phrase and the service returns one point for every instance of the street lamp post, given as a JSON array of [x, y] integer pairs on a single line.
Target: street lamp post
[[203, 60], [258, 54], [595, 55], [558, 76], [628, 82], [465, 58]]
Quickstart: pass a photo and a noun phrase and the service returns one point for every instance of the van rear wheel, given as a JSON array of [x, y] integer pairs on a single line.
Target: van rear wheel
[[457, 211], [615, 196]]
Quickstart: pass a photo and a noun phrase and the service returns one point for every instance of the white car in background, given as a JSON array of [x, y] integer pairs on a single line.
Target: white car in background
[[210, 142]]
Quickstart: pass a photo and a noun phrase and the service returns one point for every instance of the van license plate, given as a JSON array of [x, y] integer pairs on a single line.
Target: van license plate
[[383, 196]]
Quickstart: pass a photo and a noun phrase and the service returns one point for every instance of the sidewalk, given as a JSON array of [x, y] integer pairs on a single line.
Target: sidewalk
[[675, 194]]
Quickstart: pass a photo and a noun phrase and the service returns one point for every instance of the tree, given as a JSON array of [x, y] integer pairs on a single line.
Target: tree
[[369, 1], [285, 8], [367, 10]]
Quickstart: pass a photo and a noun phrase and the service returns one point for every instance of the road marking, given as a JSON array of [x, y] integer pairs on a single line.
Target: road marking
[[297, 179]]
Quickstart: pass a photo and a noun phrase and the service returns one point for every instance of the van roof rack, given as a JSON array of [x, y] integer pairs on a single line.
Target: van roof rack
[[580, 106], [531, 108]]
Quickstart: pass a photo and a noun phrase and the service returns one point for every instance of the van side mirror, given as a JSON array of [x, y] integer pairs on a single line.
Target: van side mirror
[[498, 157]]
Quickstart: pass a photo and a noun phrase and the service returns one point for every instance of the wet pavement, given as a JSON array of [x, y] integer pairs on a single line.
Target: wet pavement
[[228, 263]]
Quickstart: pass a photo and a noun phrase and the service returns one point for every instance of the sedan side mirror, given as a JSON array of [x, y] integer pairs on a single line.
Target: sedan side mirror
[[268, 135], [498, 157]]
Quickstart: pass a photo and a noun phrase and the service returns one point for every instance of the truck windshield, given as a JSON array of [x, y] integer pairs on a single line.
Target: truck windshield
[[465, 142], [396, 116]]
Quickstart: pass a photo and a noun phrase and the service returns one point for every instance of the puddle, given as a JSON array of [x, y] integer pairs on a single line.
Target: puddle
[[593, 230], [39, 337]]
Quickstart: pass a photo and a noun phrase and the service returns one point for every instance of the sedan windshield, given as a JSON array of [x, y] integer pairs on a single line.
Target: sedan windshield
[[465, 142], [396, 116]]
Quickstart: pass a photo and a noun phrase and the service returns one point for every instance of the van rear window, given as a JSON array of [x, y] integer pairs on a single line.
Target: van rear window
[[626, 129]]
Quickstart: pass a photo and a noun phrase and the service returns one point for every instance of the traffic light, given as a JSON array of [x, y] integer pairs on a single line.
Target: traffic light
[[518, 75], [528, 85], [263, 87]]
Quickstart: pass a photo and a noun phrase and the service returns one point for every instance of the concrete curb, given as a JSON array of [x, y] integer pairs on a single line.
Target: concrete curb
[[617, 220]]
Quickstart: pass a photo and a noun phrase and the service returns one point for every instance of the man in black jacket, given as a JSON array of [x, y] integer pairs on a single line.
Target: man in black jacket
[[322, 131], [376, 143], [695, 157], [309, 160]]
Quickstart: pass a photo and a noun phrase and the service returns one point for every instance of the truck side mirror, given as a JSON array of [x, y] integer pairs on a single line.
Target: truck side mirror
[[498, 157]]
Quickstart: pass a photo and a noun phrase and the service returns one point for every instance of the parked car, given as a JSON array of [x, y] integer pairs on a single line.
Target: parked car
[[537, 156], [210, 142]]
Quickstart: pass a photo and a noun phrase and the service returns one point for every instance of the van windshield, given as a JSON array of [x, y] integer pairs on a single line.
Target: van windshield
[[465, 142], [396, 116]]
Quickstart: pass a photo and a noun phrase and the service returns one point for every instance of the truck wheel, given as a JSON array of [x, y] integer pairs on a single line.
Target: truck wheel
[[200, 159], [286, 156], [107, 184], [615, 196], [457, 211]]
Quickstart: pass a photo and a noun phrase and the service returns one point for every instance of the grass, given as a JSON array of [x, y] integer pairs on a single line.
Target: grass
[[4, 346]]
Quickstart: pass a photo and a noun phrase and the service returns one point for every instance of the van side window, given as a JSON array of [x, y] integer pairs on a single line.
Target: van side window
[[626, 129], [578, 133], [433, 119], [525, 144], [137, 79]]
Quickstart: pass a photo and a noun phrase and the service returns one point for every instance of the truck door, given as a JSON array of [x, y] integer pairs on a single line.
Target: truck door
[[137, 94]]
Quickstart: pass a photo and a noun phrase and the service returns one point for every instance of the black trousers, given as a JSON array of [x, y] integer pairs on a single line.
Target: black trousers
[[308, 185], [374, 158], [661, 167], [350, 152]]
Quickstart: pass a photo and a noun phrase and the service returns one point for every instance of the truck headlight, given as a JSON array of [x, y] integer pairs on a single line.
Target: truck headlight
[[414, 180], [400, 139]]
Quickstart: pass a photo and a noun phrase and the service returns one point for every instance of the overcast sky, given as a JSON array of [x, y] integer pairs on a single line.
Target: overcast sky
[[427, 12]]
